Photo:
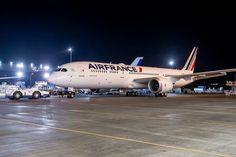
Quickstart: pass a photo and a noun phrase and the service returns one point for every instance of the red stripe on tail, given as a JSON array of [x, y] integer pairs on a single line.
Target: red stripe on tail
[[193, 66]]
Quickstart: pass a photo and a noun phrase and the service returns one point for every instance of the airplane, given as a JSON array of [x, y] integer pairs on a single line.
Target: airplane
[[96, 75], [136, 62]]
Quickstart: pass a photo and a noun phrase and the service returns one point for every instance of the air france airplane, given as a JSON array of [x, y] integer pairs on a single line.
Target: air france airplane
[[96, 75]]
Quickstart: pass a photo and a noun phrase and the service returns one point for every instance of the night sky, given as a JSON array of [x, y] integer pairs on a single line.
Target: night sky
[[118, 32]]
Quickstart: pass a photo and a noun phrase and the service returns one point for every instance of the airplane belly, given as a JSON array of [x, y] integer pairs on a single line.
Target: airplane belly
[[98, 81]]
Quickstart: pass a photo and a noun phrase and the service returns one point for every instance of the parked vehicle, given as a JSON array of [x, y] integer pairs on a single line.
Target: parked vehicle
[[33, 93]]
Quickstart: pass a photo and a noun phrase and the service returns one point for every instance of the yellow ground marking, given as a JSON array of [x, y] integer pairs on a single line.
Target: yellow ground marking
[[120, 138]]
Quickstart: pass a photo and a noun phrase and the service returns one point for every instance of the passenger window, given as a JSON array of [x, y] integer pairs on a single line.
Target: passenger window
[[63, 70]]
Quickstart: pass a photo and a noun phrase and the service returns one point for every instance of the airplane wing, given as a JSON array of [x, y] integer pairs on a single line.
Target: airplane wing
[[204, 75], [194, 76]]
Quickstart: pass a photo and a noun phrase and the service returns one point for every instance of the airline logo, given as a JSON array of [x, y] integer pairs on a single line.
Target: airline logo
[[116, 68]]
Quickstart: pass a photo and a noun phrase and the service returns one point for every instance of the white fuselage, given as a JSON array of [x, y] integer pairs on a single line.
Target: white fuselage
[[90, 75]]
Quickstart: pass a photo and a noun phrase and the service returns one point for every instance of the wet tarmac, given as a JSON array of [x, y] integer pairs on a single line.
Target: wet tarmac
[[105, 126]]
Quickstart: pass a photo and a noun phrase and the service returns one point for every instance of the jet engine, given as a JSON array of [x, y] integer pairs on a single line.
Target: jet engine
[[160, 85]]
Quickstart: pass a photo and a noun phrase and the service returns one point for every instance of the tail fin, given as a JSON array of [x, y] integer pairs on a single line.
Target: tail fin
[[137, 61], [190, 64]]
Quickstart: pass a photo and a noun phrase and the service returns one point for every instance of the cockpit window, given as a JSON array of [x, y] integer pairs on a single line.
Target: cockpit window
[[63, 70], [58, 69]]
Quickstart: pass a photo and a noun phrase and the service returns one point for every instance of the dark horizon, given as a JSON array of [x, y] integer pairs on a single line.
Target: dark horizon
[[106, 32]]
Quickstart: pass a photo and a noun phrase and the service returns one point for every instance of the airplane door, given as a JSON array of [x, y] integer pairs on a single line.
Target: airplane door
[[71, 76]]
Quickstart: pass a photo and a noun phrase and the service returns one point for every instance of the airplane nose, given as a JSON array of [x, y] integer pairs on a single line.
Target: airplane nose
[[52, 79], [57, 79]]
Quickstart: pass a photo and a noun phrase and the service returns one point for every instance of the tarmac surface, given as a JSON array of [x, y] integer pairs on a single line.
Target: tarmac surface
[[114, 126]]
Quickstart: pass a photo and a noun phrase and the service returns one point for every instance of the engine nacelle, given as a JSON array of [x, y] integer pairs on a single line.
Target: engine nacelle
[[160, 85], [99, 90]]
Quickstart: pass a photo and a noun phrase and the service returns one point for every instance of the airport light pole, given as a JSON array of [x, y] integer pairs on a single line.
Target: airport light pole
[[31, 74], [70, 50]]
